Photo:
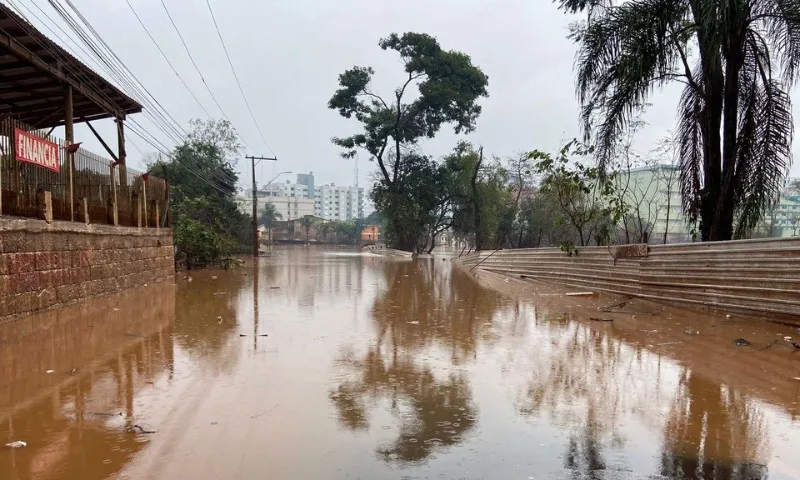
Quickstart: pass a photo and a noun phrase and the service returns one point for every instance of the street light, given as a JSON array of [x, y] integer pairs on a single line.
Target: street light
[[269, 227]]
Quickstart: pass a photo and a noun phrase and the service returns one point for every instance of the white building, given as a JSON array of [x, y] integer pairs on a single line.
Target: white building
[[328, 201], [288, 208], [333, 202]]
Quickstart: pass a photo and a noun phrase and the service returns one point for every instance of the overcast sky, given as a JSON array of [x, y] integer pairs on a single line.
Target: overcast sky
[[289, 53]]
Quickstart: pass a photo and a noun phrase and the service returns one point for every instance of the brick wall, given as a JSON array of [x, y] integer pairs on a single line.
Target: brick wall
[[47, 265]]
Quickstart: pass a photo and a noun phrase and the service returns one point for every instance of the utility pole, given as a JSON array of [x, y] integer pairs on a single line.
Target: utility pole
[[255, 201]]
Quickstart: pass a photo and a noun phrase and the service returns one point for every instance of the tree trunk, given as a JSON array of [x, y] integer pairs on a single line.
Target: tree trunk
[[722, 228], [476, 204]]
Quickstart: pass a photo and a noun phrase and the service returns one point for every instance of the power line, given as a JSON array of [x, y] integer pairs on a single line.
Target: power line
[[117, 69], [164, 55], [197, 68], [235, 76], [134, 127]]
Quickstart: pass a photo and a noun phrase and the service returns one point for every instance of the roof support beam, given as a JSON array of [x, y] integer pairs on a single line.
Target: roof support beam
[[102, 142], [18, 50]]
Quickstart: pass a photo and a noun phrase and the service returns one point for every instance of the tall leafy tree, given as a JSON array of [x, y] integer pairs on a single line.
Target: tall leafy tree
[[207, 224], [736, 58], [448, 87]]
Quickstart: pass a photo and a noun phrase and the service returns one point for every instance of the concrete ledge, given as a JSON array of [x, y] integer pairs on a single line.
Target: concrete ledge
[[750, 276], [45, 265]]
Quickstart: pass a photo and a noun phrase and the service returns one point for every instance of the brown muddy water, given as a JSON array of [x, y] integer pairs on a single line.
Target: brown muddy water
[[386, 368]]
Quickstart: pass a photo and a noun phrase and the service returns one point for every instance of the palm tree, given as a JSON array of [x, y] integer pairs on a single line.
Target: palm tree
[[268, 215], [306, 223], [325, 229], [736, 58]]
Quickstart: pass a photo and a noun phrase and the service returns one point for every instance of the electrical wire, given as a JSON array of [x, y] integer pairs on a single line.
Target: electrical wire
[[197, 68], [235, 76], [166, 59], [119, 70], [135, 128]]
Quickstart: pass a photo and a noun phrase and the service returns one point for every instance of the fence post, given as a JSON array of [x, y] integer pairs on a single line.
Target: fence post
[[11, 140], [85, 202], [144, 195], [69, 134], [158, 217], [114, 189]]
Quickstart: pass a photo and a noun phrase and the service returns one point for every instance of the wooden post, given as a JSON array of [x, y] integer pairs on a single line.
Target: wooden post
[[144, 200], [138, 211], [121, 155], [158, 216], [85, 203], [70, 137], [114, 190]]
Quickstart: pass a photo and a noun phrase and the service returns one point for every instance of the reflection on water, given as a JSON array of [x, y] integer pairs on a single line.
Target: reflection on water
[[375, 367], [100, 359]]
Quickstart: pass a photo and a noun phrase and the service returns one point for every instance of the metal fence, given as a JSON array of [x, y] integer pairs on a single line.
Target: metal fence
[[88, 184], [761, 276]]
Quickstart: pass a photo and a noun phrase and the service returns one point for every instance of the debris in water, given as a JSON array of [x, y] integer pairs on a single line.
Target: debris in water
[[578, 294], [413, 322], [506, 280], [601, 319], [16, 444], [728, 316], [242, 335], [741, 342], [263, 335], [690, 331], [274, 288], [115, 309], [213, 277], [50, 371], [140, 429], [768, 346], [74, 371], [788, 339], [189, 279], [220, 293]]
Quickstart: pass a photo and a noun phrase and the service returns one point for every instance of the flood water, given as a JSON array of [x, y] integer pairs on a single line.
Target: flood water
[[388, 368]]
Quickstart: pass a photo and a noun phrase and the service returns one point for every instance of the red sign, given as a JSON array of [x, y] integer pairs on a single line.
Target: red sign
[[36, 150]]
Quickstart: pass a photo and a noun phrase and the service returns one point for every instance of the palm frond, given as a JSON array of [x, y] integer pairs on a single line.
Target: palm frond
[[779, 21], [691, 151], [625, 52], [765, 172]]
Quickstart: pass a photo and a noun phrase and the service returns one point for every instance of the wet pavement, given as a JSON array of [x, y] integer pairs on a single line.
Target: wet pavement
[[391, 368]]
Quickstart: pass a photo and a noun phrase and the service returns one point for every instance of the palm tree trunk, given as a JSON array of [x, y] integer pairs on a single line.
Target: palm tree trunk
[[723, 219], [711, 123]]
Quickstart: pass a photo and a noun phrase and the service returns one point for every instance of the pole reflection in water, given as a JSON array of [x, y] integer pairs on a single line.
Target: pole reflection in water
[[385, 368]]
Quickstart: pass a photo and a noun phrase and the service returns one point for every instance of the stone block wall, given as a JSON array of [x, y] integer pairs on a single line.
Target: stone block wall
[[47, 265]]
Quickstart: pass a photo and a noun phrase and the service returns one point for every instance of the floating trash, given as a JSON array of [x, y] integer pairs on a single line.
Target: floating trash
[[16, 444]]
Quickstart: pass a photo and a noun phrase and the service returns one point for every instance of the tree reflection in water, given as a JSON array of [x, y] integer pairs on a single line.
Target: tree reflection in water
[[426, 309], [433, 413], [713, 433], [589, 382]]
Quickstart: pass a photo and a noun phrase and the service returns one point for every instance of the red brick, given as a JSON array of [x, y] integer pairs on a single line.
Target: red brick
[[52, 278], [80, 259], [25, 282], [46, 260], [21, 263]]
